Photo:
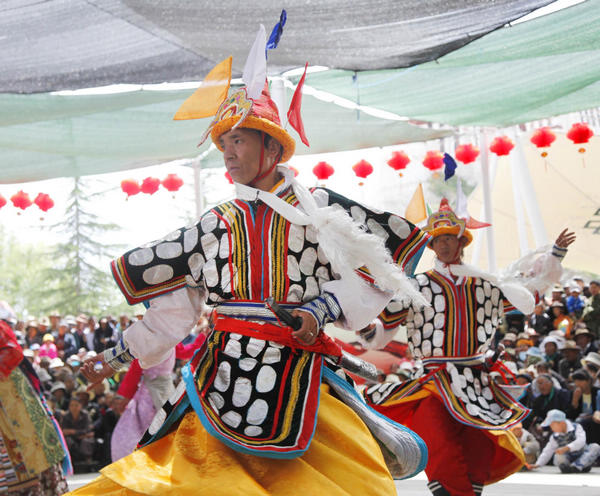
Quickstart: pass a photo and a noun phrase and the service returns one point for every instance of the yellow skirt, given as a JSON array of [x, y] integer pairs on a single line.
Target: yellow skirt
[[343, 459]]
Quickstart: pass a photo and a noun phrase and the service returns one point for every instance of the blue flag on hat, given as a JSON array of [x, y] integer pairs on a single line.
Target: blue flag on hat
[[276, 32], [450, 167]]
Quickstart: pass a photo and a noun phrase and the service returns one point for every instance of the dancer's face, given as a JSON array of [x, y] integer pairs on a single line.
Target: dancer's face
[[448, 248], [241, 151]]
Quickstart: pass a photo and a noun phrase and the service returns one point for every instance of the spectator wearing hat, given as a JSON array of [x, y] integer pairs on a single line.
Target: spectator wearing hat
[[586, 404], [585, 340], [550, 398], [562, 321], [575, 303], [59, 395], [509, 340], [54, 318], [530, 445], [522, 345], [591, 311], [550, 346], [591, 363], [571, 360], [65, 341], [558, 294], [540, 320], [104, 336], [567, 444], [48, 348], [32, 333], [79, 332]]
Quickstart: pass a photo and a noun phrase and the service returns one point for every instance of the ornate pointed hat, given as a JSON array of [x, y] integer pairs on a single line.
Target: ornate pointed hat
[[445, 221]]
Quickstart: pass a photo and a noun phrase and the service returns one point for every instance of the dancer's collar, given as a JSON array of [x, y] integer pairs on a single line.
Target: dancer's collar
[[244, 192]]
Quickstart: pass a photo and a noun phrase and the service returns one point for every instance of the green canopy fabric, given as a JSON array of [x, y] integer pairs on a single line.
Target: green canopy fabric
[[44, 136], [533, 70]]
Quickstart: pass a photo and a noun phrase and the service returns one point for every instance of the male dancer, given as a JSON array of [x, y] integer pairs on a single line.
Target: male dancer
[[453, 402]]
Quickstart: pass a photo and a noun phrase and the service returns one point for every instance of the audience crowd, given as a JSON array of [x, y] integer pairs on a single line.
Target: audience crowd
[[554, 352]]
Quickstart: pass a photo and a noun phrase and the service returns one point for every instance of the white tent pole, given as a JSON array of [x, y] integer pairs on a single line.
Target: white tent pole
[[279, 97], [487, 202], [519, 213], [528, 194], [198, 196]]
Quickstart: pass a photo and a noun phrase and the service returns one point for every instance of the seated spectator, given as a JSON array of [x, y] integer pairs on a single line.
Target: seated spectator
[[571, 360], [78, 431], [59, 395], [550, 398], [575, 303], [522, 345], [585, 340], [544, 368], [591, 363], [104, 336], [48, 348], [530, 445], [32, 334], [567, 444], [586, 404], [550, 346], [562, 321], [591, 311], [509, 340], [65, 341], [540, 321]]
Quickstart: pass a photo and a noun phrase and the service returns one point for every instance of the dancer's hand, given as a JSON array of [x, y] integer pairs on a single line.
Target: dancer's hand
[[530, 466], [565, 238], [95, 370], [307, 334]]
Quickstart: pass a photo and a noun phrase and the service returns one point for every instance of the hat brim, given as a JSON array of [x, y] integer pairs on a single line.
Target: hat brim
[[260, 124], [440, 231]]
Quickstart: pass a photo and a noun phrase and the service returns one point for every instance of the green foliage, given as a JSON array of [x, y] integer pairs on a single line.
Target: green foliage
[[79, 279]]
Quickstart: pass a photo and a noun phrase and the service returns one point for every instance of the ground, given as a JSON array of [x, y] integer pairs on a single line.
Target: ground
[[547, 481]]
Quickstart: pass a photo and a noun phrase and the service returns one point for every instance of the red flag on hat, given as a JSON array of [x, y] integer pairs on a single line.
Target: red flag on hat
[[293, 115]]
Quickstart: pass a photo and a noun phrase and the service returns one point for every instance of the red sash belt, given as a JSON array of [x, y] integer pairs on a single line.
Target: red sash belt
[[282, 335]]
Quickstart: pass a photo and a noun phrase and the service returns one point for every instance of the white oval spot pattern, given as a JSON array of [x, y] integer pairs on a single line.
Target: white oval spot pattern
[[142, 256], [209, 222], [293, 269], [296, 238], [271, 355], [223, 377], [231, 418], [195, 263], [242, 389], [190, 239], [307, 261], [233, 348], [254, 347], [216, 400], [210, 245], [399, 226], [157, 274], [169, 250], [257, 412], [266, 379], [247, 364]]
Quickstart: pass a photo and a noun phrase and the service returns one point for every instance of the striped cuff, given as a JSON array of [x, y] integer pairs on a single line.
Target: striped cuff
[[118, 358], [324, 309], [559, 252]]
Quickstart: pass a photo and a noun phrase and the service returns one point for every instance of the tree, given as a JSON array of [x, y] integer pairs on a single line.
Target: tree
[[78, 280]]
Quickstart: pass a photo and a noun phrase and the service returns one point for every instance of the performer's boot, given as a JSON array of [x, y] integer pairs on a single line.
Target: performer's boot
[[477, 488], [437, 489]]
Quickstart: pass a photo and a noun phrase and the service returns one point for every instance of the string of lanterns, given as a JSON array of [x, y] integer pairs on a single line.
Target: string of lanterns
[[466, 153], [150, 185], [22, 201]]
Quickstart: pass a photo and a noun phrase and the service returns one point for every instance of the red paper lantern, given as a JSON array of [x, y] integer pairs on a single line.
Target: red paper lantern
[[323, 171], [362, 169], [543, 138], [2, 201], [502, 145], [172, 182], [466, 153], [434, 160], [294, 170], [228, 177], [580, 133], [150, 185], [44, 202], [21, 200], [398, 161], [130, 187]]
